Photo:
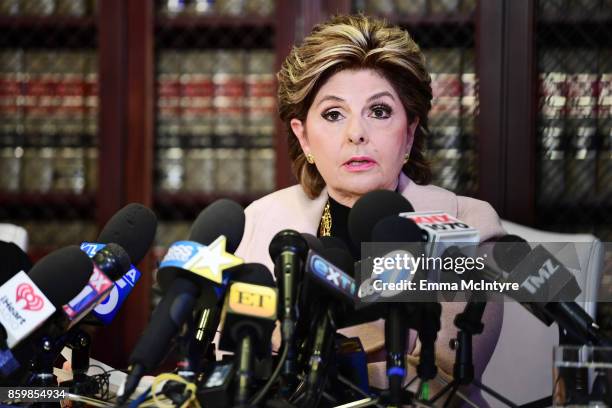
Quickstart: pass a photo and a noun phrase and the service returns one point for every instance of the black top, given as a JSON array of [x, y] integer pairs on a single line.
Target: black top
[[339, 227]]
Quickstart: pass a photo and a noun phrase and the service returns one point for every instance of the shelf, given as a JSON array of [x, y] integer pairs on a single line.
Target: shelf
[[455, 19], [594, 18], [439, 30], [48, 32], [212, 22], [215, 32], [185, 205], [47, 22], [571, 33], [47, 205]]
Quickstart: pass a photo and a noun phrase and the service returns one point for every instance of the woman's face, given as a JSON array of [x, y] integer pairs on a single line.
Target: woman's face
[[358, 132]]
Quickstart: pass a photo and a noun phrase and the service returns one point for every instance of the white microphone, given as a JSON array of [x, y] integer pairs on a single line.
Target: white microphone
[[443, 230], [23, 308], [28, 300]]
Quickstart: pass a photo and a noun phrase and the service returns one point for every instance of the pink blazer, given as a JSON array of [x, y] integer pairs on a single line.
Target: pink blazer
[[290, 208]]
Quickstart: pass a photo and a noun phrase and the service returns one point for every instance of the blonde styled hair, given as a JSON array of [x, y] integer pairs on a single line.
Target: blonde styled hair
[[354, 42]]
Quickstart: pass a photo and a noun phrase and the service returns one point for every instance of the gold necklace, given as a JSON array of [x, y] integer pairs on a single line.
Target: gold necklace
[[326, 222]]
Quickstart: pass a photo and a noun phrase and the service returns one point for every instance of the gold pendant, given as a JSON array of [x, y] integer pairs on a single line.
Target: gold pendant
[[326, 222]]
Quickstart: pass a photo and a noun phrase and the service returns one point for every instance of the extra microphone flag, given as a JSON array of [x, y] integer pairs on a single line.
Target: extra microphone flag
[[331, 276]]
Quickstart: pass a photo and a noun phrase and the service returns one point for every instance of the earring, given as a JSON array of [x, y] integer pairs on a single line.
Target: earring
[[406, 158], [309, 158]]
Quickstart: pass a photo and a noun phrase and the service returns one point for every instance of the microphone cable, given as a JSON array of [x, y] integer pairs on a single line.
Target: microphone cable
[[279, 366]]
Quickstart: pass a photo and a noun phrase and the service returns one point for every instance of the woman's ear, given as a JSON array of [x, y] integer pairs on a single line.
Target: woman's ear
[[412, 127], [297, 126]]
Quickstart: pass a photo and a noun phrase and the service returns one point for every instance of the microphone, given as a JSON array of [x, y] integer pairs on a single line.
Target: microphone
[[133, 228], [545, 282], [371, 208], [250, 314], [396, 323], [13, 259], [363, 218], [109, 264], [441, 230], [190, 269], [288, 251], [28, 300], [325, 272], [315, 243], [424, 316]]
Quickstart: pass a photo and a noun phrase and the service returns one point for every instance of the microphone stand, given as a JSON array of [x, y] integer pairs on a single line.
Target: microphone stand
[[395, 343], [195, 343], [81, 384], [428, 332], [46, 351], [469, 323], [319, 359]]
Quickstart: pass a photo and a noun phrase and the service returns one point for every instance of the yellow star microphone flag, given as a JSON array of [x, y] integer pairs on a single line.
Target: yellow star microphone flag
[[212, 260]]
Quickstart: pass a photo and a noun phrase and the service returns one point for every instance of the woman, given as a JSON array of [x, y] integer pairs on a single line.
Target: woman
[[355, 98]]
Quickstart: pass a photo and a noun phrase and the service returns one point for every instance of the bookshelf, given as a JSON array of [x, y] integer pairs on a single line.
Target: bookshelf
[[49, 121], [487, 132]]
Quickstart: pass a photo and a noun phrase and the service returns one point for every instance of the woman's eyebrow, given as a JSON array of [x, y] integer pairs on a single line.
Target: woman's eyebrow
[[371, 98], [380, 94], [330, 98]]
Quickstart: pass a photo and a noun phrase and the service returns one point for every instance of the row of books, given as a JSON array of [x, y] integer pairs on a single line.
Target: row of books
[[196, 170], [236, 8], [44, 93], [48, 169], [48, 120], [413, 7], [575, 126], [219, 170], [77, 8], [223, 97]]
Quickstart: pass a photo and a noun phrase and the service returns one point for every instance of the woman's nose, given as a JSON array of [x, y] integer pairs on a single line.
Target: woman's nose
[[355, 132]]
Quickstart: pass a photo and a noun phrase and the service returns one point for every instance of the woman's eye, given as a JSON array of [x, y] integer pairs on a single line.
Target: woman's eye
[[381, 112], [332, 116]]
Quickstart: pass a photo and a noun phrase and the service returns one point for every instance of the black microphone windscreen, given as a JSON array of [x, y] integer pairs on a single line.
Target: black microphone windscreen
[[313, 242], [287, 239], [371, 208], [333, 242], [394, 228], [12, 260], [174, 308], [253, 273], [133, 228], [509, 250], [62, 274], [341, 258], [223, 217]]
